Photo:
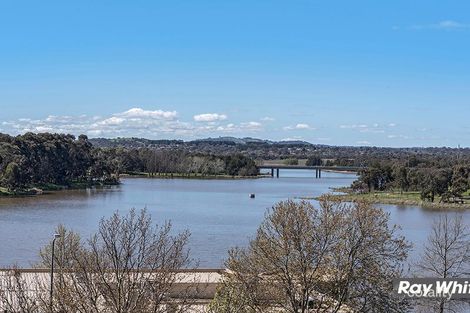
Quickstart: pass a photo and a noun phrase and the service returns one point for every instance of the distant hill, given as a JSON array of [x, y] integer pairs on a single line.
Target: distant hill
[[241, 141], [132, 142], [272, 150], [142, 142], [248, 140]]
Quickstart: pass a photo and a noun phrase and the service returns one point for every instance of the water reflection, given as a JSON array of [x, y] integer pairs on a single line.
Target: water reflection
[[219, 213]]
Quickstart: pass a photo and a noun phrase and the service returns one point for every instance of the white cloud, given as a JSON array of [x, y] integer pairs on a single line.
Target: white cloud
[[141, 113], [443, 25], [353, 126], [451, 25], [43, 129], [251, 125], [363, 142], [268, 119], [365, 128], [209, 117], [238, 128], [300, 126], [295, 138], [113, 121], [392, 136], [134, 122]]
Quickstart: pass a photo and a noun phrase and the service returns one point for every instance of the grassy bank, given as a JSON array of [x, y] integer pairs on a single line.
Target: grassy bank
[[187, 176], [5, 192], [411, 198], [39, 189]]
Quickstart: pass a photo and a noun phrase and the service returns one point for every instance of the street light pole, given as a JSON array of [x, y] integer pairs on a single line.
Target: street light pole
[[52, 270]]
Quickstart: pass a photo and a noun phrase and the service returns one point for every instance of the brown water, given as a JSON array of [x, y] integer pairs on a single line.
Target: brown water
[[219, 213]]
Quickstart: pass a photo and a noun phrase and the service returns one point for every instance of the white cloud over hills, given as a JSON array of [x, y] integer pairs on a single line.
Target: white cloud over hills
[[300, 126], [157, 114], [133, 122], [443, 25], [209, 117], [169, 124]]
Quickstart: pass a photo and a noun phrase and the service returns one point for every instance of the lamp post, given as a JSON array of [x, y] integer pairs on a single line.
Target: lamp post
[[52, 270]]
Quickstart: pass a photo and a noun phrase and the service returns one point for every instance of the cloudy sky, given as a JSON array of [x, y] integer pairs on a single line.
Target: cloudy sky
[[387, 73]]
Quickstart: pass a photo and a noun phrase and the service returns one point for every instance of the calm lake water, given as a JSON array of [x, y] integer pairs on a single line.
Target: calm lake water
[[218, 213]]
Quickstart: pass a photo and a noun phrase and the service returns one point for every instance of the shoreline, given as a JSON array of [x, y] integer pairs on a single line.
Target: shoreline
[[188, 176], [396, 198], [38, 190], [340, 172], [42, 189]]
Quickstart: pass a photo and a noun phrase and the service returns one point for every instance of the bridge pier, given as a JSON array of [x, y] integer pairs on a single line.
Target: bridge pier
[[318, 173], [318, 169]]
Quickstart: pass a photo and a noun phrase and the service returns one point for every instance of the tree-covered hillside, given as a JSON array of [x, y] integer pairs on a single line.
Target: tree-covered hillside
[[33, 160], [57, 160]]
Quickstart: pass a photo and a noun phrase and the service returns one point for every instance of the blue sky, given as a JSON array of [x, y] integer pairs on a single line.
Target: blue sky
[[386, 73]]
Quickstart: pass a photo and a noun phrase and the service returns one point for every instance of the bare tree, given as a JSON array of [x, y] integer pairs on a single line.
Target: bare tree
[[129, 265], [446, 254], [307, 259], [367, 256], [282, 265]]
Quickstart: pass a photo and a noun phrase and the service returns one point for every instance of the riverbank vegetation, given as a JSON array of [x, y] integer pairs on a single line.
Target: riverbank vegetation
[[410, 198], [177, 163], [32, 163], [415, 181]]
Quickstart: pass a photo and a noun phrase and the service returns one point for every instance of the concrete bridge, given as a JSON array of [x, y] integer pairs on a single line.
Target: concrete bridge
[[317, 169]]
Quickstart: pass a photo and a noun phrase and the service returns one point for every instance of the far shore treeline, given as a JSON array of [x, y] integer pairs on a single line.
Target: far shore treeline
[[32, 162], [50, 161], [432, 179]]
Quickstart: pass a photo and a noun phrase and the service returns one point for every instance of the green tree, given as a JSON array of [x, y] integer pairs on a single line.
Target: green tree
[[460, 181], [291, 162], [400, 176], [11, 177], [239, 164], [435, 182], [314, 161], [376, 177]]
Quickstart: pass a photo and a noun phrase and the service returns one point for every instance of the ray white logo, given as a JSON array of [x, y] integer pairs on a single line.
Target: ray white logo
[[450, 288]]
